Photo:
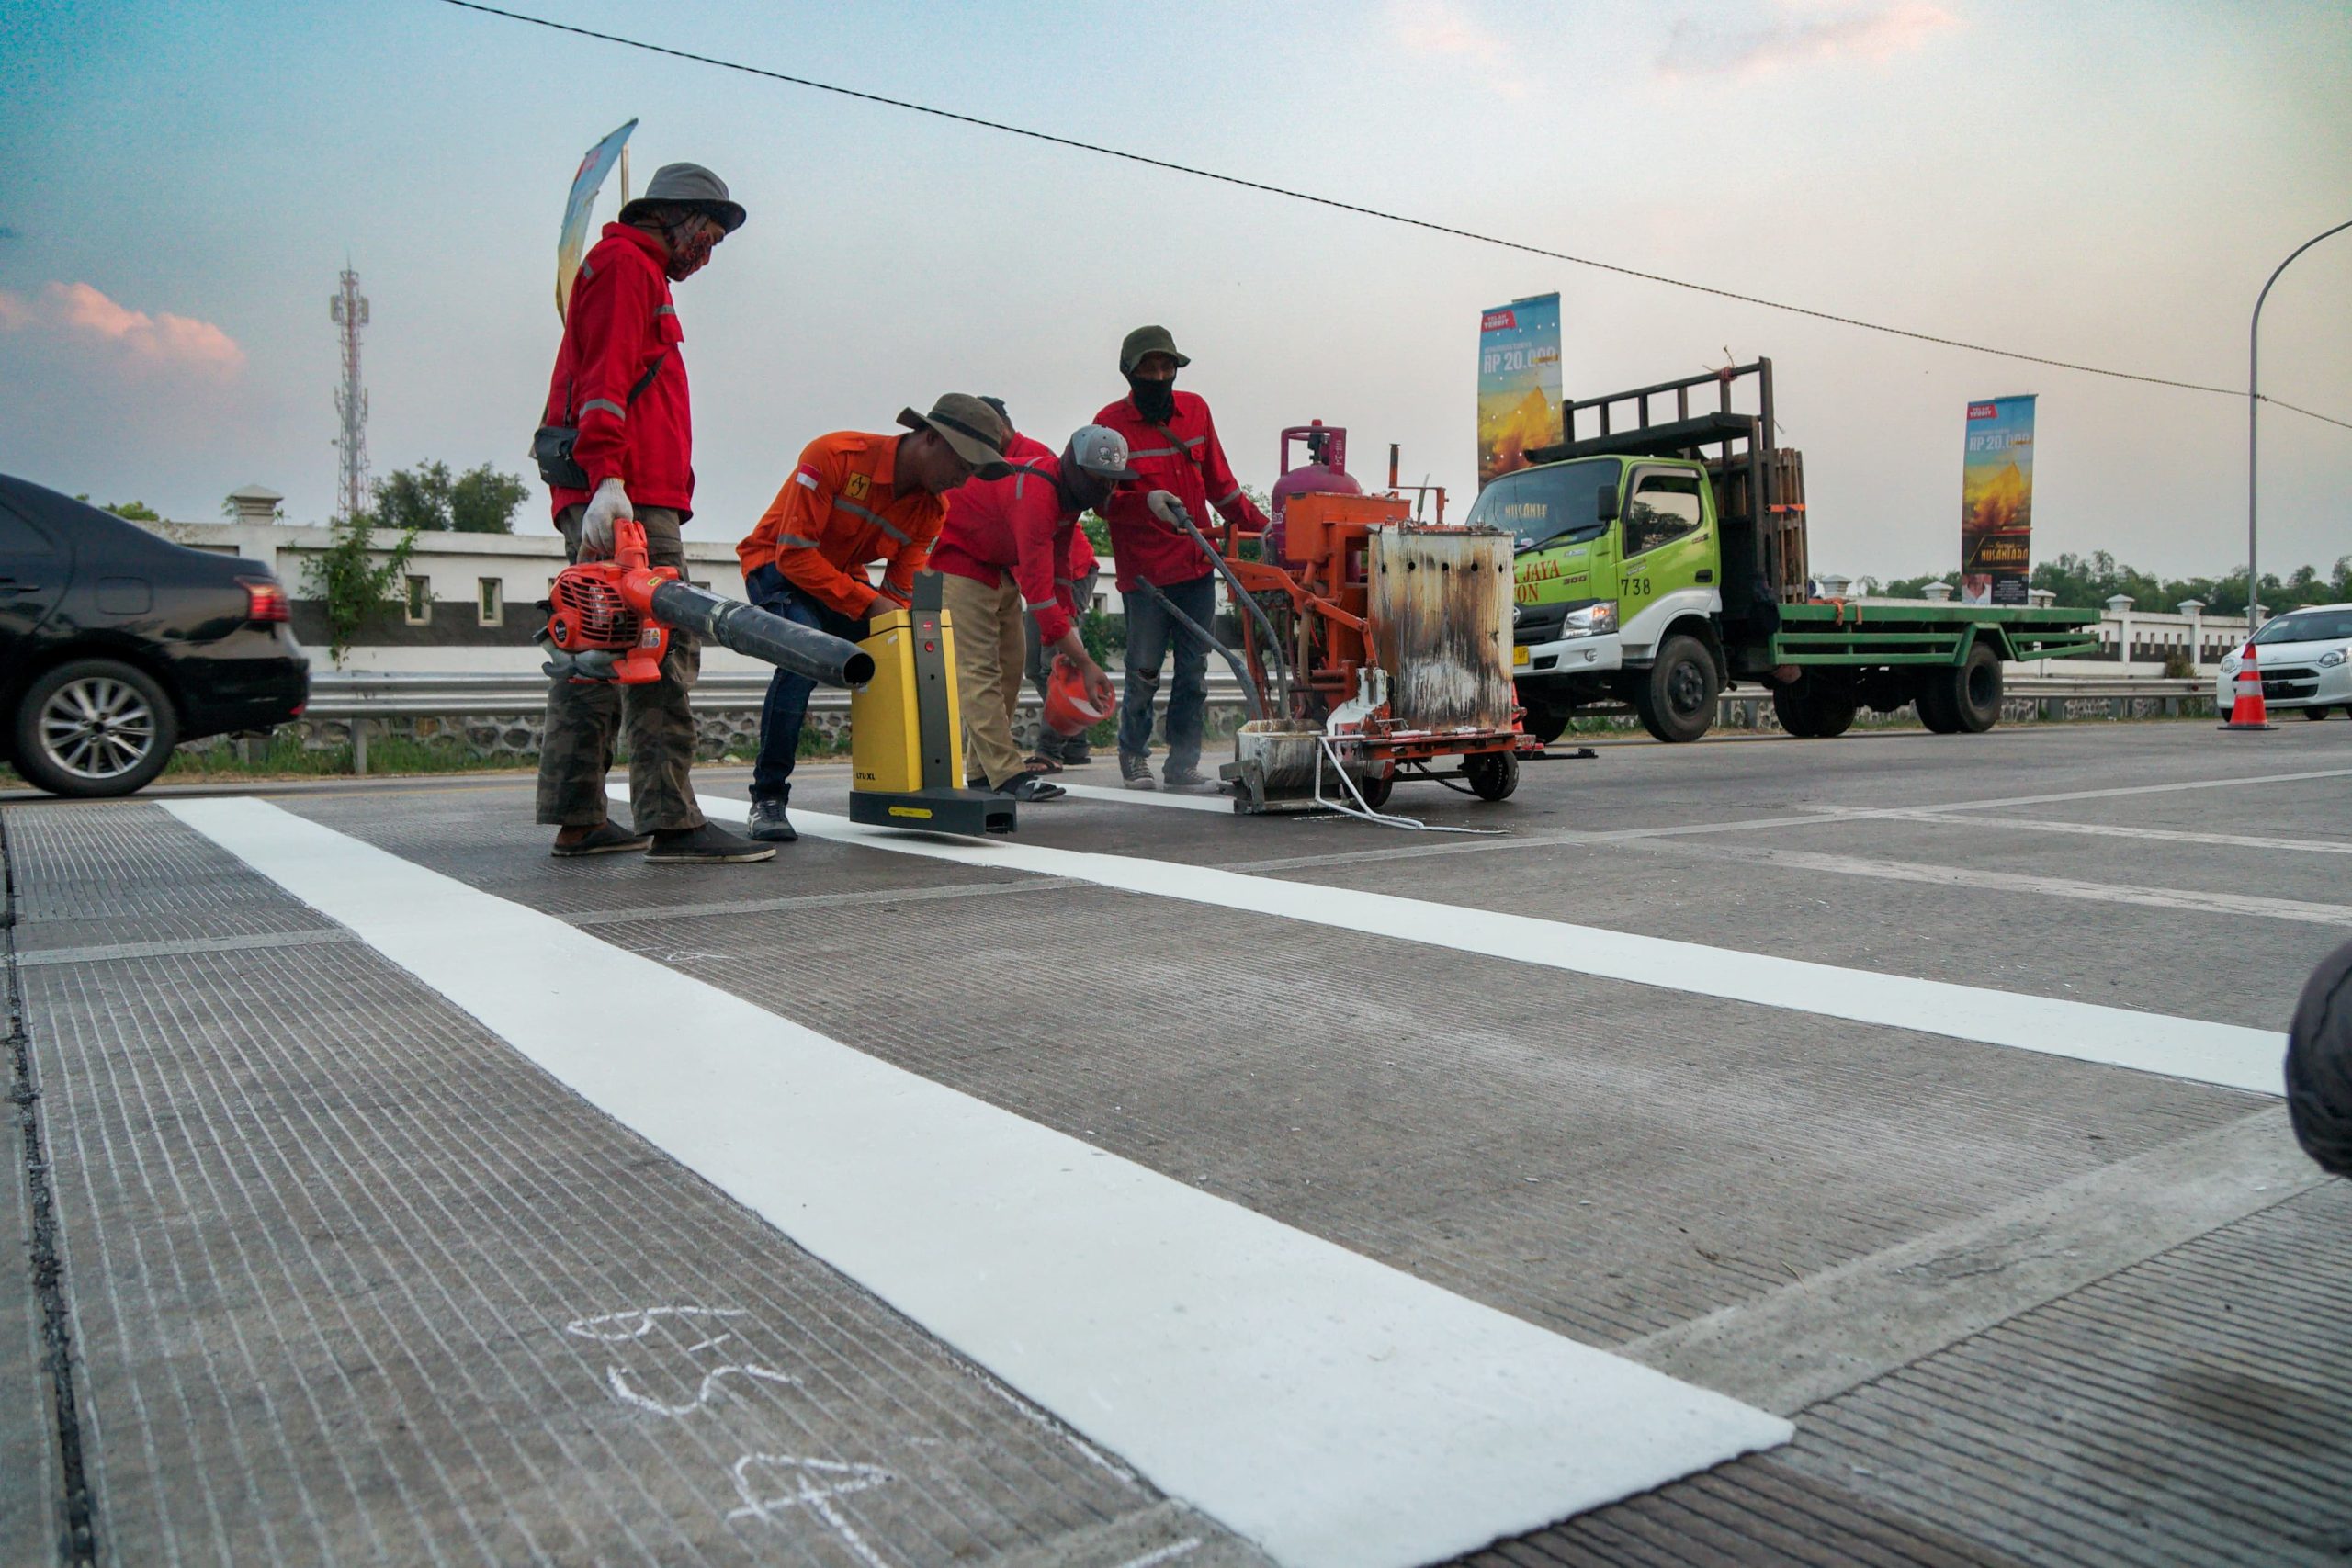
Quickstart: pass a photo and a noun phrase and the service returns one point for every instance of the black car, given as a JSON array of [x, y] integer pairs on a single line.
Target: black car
[[116, 646]]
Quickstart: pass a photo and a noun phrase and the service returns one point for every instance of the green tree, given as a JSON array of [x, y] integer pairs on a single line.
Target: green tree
[[354, 588], [427, 497], [134, 510]]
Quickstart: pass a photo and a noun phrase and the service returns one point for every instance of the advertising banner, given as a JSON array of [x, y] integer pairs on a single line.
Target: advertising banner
[[1519, 383], [1996, 502], [572, 243]]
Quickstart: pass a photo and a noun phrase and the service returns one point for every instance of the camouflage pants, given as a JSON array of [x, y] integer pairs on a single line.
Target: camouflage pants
[[585, 719]]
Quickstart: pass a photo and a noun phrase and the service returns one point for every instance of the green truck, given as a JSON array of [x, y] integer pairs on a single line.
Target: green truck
[[1660, 559]]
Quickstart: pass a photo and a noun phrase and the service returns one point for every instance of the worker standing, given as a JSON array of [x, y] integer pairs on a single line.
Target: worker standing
[[617, 442], [1173, 447], [1053, 752], [1005, 550], [853, 501]]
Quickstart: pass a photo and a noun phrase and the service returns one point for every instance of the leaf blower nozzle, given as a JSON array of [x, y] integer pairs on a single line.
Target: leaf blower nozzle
[[611, 620]]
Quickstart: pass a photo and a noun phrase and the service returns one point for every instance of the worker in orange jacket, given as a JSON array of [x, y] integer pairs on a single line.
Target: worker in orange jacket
[[854, 500]]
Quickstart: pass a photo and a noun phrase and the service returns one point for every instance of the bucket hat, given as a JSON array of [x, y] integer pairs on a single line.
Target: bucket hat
[[688, 185], [969, 426], [1149, 340]]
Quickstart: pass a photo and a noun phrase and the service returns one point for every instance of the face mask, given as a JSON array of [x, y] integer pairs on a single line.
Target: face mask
[[1083, 489], [1156, 400], [689, 256]]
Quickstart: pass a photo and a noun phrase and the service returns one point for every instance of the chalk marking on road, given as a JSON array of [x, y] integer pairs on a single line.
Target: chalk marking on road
[[2228, 1055], [1335, 1410], [1178, 800], [2116, 830], [846, 1479], [636, 1323], [1168, 1554], [617, 1379], [2021, 882]]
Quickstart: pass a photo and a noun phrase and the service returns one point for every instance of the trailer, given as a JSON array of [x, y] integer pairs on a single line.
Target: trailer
[[1660, 559]]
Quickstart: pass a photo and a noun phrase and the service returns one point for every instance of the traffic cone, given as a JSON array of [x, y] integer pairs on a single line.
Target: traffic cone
[[2246, 711]]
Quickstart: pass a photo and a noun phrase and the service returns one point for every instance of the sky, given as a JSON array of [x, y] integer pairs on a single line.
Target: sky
[[180, 185]]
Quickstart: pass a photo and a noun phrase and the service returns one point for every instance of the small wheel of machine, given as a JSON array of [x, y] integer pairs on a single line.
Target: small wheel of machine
[[1676, 698], [1376, 788], [1493, 775], [96, 727]]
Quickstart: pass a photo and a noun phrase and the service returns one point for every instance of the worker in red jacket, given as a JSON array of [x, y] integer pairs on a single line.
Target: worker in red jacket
[[617, 441], [1053, 752], [1172, 443], [1005, 550], [854, 500]]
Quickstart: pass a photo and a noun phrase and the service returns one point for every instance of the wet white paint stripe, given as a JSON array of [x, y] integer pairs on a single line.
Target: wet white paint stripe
[[1335, 1410], [2116, 830], [1173, 799], [2223, 1054]]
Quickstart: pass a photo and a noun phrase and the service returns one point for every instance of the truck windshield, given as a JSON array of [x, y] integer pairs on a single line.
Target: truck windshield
[[1550, 506]]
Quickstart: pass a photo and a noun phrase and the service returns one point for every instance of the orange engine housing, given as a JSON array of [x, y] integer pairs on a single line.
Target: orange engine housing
[[607, 606]]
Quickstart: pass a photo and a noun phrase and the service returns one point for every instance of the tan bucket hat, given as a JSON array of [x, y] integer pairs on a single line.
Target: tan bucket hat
[[969, 426]]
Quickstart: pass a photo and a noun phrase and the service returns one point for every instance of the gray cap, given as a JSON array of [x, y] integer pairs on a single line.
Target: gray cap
[[969, 426], [1149, 340], [1098, 449], [688, 185]]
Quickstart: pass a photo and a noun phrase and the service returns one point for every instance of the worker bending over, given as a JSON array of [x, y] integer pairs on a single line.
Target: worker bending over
[[854, 500], [1172, 444], [1053, 752], [617, 441], [1006, 548]]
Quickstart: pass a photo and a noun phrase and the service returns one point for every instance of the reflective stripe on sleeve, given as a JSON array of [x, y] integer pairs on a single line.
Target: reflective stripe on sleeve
[[609, 406], [794, 542], [1038, 603], [665, 310], [873, 517], [1235, 494]]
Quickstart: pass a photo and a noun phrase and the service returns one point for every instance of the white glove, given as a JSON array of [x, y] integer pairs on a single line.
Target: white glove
[[611, 500]]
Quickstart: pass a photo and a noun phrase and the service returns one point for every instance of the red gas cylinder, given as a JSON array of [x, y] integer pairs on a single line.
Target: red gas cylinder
[[1325, 472]]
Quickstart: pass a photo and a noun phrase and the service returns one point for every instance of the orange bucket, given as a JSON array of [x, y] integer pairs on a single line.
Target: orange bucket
[[1067, 710]]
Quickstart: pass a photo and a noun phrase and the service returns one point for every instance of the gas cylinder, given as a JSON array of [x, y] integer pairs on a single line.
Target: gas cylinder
[[1325, 472]]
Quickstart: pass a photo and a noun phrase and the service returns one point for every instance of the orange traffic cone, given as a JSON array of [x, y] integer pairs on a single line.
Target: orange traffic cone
[[2246, 711]]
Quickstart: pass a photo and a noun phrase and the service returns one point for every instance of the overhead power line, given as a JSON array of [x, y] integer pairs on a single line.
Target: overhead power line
[[1338, 205]]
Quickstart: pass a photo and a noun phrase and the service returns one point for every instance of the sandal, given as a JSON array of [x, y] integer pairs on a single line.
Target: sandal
[[1041, 763], [1030, 787]]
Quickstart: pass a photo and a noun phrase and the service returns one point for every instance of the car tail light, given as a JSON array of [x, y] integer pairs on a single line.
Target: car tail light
[[266, 600]]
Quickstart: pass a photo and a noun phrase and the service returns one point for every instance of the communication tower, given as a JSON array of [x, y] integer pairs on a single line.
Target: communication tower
[[349, 309]]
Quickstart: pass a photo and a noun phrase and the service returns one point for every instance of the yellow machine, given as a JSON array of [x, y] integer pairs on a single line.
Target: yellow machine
[[906, 732]]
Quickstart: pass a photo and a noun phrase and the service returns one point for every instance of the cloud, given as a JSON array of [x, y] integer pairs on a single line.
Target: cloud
[[1443, 27], [1873, 33], [78, 311]]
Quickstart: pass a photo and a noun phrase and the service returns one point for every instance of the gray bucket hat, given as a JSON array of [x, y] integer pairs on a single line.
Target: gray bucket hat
[[1149, 340], [968, 425], [689, 185]]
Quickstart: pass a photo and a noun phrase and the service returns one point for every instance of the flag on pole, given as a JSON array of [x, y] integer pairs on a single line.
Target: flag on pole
[[586, 181]]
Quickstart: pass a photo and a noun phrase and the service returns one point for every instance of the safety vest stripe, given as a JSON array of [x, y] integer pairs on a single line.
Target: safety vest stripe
[[794, 542], [609, 406], [1038, 603], [873, 517], [665, 310], [1151, 451]]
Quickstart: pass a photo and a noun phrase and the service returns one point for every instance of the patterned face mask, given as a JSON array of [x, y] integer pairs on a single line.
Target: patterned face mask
[[690, 252]]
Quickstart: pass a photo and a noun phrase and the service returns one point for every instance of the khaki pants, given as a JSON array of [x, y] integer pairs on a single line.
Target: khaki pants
[[585, 719], [986, 623]]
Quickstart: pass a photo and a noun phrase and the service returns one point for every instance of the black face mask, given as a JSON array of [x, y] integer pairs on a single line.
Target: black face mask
[[1082, 489], [1156, 400]]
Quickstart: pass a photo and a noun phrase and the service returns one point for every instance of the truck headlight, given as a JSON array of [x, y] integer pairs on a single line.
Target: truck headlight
[[1593, 620], [2332, 658]]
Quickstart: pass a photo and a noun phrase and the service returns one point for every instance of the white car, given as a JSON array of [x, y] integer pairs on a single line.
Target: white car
[[2305, 656]]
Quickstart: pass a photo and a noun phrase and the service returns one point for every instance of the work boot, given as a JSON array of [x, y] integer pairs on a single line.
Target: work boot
[[769, 824], [1186, 778], [606, 838], [706, 845], [1135, 772]]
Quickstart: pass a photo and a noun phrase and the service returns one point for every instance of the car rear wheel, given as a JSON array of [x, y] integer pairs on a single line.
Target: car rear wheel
[[96, 727], [1675, 698], [2319, 713]]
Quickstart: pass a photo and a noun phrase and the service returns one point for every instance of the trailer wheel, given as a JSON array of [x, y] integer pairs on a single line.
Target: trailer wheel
[[1377, 787], [1976, 690], [1676, 697], [1493, 775], [1809, 709], [1792, 706]]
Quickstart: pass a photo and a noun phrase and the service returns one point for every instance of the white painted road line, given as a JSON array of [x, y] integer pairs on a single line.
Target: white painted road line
[[2115, 830], [1177, 799], [1340, 1412], [2119, 790], [2223, 1054]]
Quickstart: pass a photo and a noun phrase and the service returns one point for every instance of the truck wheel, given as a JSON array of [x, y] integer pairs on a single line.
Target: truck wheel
[[1676, 698], [1792, 706], [1493, 775], [1976, 690], [1934, 702], [96, 727], [1547, 723]]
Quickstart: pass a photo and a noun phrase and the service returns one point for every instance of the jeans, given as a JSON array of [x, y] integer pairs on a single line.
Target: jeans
[[787, 707], [1151, 631]]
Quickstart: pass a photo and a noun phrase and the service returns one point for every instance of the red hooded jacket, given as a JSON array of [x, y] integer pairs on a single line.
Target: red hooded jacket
[[621, 325]]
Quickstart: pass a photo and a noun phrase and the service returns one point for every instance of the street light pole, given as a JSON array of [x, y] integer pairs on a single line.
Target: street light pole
[[2252, 412]]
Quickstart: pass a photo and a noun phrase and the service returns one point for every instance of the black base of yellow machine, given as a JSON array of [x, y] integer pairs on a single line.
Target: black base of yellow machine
[[933, 810], [906, 733]]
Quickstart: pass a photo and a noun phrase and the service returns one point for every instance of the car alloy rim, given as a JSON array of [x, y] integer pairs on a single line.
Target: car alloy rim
[[96, 728]]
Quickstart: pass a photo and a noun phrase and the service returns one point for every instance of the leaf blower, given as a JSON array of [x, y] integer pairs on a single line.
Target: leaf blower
[[611, 620]]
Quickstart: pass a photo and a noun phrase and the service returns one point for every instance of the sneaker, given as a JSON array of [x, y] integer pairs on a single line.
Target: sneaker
[[706, 845], [608, 838], [1186, 778], [1135, 772], [769, 824]]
